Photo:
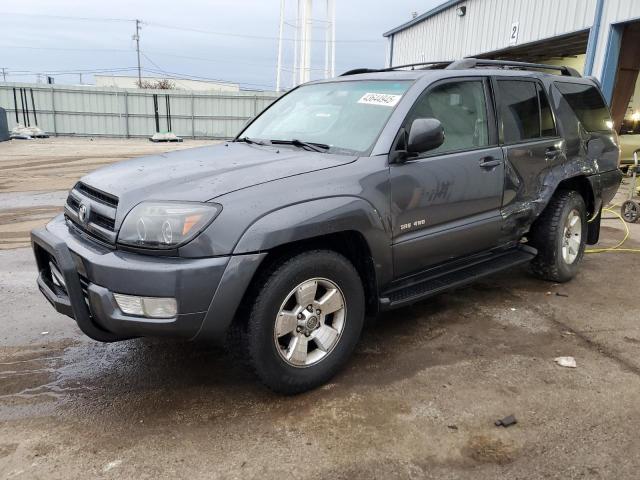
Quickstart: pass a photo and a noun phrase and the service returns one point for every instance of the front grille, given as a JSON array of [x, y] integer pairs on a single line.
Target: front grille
[[103, 221], [100, 222], [97, 195], [73, 203]]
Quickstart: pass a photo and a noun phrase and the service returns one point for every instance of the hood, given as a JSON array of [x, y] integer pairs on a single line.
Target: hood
[[204, 173]]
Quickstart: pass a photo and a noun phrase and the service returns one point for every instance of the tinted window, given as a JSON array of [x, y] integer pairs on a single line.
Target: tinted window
[[327, 113], [547, 125], [462, 110], [519, 110], [587, 104]]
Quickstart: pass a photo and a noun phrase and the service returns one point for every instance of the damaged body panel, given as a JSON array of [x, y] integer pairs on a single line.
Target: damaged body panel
[[570, 156]]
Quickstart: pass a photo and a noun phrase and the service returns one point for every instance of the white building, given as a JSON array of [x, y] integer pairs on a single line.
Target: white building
[[131, 81], [597, 37]]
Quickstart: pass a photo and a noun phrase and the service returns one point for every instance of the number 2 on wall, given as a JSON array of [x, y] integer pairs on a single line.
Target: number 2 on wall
[[513, 38]]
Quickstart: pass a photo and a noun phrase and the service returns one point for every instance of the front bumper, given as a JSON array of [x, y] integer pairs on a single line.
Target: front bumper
[[91, 273]]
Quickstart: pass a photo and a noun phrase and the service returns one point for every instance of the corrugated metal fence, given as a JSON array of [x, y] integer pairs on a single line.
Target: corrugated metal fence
[[117, 112]]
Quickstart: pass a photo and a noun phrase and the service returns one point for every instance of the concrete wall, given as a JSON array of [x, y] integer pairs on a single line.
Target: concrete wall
[[93, 111], [125, 81]]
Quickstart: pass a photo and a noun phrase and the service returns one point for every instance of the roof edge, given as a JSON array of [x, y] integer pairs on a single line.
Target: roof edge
[[434, 11]]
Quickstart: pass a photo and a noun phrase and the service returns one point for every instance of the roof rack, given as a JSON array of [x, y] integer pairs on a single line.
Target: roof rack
[[467, 63]]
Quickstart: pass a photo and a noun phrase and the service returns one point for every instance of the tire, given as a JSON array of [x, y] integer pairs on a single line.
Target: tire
[[269, 335], [560, 251], [630, 211]]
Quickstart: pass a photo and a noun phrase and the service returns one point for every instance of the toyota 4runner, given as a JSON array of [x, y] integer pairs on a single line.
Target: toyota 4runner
[[345, 197]]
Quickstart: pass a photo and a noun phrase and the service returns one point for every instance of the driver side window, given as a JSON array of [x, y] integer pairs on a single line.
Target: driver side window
[[461, 109]]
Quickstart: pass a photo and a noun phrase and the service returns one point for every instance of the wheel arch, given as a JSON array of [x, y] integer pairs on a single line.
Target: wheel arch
[[335, 222], [585, 187], [352, 244], [588, 188], [350, 226]]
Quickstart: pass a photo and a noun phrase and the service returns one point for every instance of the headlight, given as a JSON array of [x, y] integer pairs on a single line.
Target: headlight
[[166, 224]]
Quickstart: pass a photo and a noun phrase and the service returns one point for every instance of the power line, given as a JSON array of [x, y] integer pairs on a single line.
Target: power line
[[187, 76], [69, 72], [183, 29], [154, 52], [65, 48], [243, 35], [152, 62], [183, 75], [175, 27], [66, 17]]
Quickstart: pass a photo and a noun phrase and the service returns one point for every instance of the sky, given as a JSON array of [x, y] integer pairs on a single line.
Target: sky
[[215, 39]]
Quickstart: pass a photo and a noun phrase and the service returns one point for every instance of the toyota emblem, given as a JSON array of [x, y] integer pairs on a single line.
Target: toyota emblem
[[83, 213]]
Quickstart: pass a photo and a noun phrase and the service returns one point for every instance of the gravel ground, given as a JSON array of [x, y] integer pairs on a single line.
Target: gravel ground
[[35, 176], [418, 399]]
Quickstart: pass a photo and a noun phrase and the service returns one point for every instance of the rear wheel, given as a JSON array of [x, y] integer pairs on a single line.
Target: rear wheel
[[559, 235], [304, 321]]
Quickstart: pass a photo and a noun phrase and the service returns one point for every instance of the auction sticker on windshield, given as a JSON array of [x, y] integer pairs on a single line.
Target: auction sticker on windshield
[[384, 99]]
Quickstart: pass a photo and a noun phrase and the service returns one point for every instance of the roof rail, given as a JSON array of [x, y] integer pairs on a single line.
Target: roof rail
[[355, 71], [467, 63]]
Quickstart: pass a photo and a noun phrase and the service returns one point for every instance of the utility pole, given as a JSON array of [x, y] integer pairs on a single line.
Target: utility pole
[[4, 74], [279, 62], [80, 78], [136, 37]]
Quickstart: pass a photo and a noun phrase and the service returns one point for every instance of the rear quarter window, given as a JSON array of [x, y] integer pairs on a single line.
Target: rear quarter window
[[587, 105]]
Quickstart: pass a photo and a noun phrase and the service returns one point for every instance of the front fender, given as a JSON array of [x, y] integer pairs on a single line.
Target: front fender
[[315, 218]]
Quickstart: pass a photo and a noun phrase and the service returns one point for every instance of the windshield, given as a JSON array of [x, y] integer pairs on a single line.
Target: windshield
[[346, 116]]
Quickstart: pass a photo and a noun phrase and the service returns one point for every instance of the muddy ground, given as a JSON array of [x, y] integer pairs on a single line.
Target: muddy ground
[[35, 175], [418, 399]]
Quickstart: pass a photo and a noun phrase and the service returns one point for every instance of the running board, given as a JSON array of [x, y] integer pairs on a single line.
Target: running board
[[440, 279]]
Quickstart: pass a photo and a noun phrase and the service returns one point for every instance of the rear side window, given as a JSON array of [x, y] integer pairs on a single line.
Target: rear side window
[[587, 105], [519, 110]]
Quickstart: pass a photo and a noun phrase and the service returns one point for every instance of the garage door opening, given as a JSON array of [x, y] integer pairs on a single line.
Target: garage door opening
[[625, 96], [566, 50]]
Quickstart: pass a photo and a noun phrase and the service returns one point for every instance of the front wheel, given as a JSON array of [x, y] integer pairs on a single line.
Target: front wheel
[[559, 235], [304, 321]]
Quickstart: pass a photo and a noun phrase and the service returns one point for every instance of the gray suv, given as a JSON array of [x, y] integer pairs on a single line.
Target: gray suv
[[345, 197]]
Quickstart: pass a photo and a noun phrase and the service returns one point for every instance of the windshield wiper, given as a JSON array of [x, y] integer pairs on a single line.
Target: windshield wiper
[[250, 141], [313, 146]]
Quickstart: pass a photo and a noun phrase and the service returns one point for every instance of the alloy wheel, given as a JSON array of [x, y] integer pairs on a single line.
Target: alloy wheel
[[310, 322], [572, 237]]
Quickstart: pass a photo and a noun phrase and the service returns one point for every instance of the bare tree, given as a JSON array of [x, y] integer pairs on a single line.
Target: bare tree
[[162, 84]]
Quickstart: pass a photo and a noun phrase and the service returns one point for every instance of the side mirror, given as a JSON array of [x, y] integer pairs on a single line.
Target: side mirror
[[425, 134]]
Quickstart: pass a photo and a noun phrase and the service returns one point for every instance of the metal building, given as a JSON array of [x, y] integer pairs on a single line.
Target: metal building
[[597, 37]]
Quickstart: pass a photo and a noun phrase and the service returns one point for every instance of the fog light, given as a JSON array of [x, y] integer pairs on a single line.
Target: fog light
[[159, 307], [152, 307]]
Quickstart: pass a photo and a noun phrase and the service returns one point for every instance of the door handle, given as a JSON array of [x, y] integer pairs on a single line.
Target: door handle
[[489, 162], [551, 152]]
